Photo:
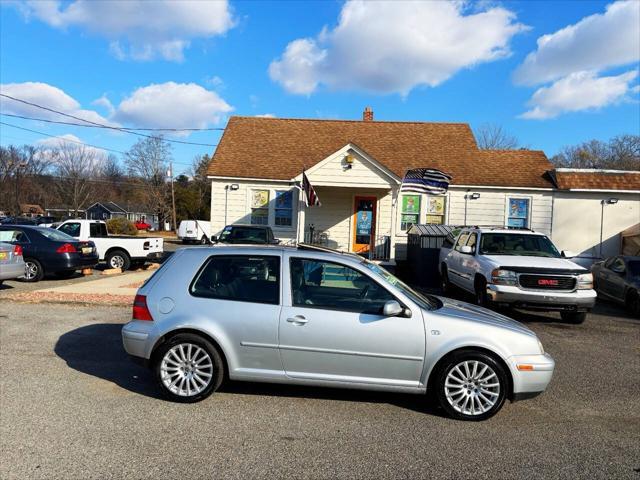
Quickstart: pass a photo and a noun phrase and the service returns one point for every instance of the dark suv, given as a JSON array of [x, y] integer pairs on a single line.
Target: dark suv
[[253, 234]]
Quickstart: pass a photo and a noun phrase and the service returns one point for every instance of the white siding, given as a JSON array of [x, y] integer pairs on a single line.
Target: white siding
[[576, 221], [334, 171]]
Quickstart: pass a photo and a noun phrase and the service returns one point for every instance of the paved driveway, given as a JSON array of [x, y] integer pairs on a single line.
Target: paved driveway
[[73, 406]]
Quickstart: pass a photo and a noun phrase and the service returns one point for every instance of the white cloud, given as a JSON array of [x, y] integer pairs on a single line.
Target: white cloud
[[579, 91], [176, 105], [138, 29], [71, 141], [266, 115], [596, 42], [47, 96], [166, 105], [390, 47]]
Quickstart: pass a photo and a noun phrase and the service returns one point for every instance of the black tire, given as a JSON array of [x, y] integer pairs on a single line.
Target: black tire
[[216, 371], [118, 259], [573, 317], [481, 297], [203, 240], [632, 303], [66, 274], [33, 270], [445, 285], [499, 394]]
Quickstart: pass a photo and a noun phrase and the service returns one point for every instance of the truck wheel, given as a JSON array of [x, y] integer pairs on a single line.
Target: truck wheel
[[482, 299], [118, 259], [203, 240], [573, 317]]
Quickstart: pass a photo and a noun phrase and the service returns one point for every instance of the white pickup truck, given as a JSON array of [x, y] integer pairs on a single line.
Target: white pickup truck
[[517, 268], [118, 251]]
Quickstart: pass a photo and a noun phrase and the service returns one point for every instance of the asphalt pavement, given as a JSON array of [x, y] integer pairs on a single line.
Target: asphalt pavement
[[73, 406]]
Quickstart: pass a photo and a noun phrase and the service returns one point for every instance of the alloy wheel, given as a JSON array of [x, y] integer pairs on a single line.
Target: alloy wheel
[[186, 370], [472, 387], [30, 270], [117, 261]]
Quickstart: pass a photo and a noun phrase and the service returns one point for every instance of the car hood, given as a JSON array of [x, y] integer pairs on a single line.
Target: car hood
[[469, 312], [525, 261]]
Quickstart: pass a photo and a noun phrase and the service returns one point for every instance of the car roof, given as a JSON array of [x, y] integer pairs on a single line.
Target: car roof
[[246, 225], [505, 230]]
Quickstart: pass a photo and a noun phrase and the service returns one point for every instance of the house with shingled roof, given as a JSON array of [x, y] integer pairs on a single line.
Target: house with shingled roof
[[358, 166]]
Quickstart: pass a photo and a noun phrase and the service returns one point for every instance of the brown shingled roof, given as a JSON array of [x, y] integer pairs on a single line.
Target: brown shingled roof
[[276, 148], [598, 180]]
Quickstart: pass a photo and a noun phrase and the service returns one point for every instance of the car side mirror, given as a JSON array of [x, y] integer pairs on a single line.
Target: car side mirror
[[466, 249], [214, 239], [567, 254], [392, 309]]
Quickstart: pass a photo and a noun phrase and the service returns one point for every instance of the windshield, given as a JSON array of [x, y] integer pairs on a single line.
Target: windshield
[[517, 244], [55, 235], [243, 235], [422, 300]]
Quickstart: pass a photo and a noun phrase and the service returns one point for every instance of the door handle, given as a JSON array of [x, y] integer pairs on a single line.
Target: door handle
[[297, 320]]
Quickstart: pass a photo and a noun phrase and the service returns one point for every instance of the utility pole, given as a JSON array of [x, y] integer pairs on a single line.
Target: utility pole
[[173, 198]]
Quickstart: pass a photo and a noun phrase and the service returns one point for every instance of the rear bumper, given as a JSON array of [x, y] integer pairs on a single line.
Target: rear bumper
[[530, 383], [11, 270], [137, 339], [70, 261], [578, 300], [151, 257]]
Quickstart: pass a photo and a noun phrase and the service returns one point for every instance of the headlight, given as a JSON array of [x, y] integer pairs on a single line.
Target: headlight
[[541, 347], [585, 281], [503, 277]]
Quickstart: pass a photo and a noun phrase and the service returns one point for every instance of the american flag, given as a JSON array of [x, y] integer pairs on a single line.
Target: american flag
[[310, 196], [425, 180]]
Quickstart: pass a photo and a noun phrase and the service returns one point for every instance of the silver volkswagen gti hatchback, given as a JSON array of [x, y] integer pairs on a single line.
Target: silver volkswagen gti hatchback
[[311, 316]]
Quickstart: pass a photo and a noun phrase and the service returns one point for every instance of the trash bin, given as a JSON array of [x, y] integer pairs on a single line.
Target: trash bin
[[423, 252]]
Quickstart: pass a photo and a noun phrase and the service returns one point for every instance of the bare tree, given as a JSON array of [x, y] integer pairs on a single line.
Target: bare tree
[[620, 153], [148, 161], [76, 167], [21, 171], [493, 137]]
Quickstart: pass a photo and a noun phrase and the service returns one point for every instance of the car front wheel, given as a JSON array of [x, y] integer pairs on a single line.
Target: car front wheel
[[33, 271], [188, 368], [471, 386]]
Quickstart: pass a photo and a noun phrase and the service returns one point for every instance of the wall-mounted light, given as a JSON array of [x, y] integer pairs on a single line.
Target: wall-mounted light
[[348, 161], [474, 196], [610, 201], [233, 186]]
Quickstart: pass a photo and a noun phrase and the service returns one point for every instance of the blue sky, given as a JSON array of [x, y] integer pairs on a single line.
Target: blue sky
[[181, 64]]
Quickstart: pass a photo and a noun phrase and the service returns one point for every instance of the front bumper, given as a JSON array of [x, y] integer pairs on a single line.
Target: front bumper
[[529, 383], [578, 300]]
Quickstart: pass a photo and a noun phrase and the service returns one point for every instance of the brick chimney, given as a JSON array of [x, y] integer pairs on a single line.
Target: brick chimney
[[367, 115]]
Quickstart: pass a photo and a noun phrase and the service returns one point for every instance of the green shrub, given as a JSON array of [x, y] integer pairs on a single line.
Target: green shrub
[[121, 226]]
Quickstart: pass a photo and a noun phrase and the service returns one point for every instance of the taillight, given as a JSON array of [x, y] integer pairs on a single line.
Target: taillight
[[66, 248], [140, 309], [17, 250]]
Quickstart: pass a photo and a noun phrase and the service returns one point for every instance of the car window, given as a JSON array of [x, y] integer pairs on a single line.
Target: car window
[[243, 235], [242, 278], [462, 239], [13, 236], [472, 241], [55, 235], [72, 229], [633, 267], [97, 230], [323, 284]]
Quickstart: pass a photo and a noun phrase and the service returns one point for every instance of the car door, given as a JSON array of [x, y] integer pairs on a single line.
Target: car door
[[332, 327], [612, 279], [468, 263], [454, 261]]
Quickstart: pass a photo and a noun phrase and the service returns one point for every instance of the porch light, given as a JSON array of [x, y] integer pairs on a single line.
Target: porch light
[[474, 196], [349, 159]]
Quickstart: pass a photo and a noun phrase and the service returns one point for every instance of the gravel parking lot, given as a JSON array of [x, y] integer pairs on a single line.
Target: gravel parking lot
[[73, 406]]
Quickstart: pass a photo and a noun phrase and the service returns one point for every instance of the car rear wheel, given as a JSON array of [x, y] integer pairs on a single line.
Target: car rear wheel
[[33, 271], [471, 386], [118, 259], [188, 368], [573, 317], [203, 240]]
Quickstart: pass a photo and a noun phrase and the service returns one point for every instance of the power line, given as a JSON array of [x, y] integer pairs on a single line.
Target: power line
[[126, 128], [120, 129], [76, 141]]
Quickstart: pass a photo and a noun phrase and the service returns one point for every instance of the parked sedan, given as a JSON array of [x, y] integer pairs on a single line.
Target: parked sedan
[[46, 250], [618, 279], [11, 261], [310, 316]]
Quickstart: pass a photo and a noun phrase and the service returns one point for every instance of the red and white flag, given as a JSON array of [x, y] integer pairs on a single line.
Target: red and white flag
[[310, 196]]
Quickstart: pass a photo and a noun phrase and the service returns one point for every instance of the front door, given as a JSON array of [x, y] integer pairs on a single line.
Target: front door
[[364, 221]]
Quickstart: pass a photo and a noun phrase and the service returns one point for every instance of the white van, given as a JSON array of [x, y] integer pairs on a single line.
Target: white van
[[194, 231]]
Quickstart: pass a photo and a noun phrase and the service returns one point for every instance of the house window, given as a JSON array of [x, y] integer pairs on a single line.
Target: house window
[[284, 208], [410, 211], [518, 212], [260, 207], [435, 209]]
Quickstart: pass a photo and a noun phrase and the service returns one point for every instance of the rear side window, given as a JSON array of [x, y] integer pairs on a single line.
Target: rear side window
[[13, 236], [97, 230], [242, 278], [462, 239], [72, 229]]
